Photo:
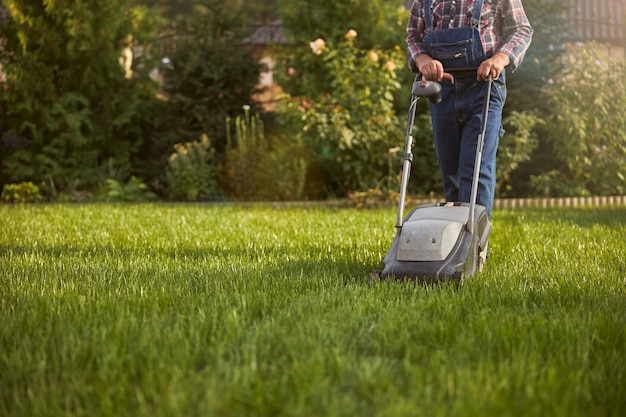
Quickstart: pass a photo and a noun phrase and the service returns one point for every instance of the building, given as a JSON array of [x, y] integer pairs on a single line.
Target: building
[[262, 39], [603, 21]]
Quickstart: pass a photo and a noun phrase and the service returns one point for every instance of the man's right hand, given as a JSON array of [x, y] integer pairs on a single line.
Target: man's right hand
[[431, 69]]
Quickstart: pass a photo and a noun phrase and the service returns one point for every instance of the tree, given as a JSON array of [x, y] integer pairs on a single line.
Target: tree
[[257, 12], [66, 92], [542, 58], [170, 10], [212, 73]]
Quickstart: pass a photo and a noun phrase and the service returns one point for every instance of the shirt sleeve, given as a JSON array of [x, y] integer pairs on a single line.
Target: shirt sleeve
[[415, 34], [515, 32]]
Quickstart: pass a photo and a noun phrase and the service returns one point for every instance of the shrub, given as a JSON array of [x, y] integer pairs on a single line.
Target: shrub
[[351, 123], [378, 23], [285, 167], [192, 171], [555, 183], [133, 191], [515, 146], [24, 192], [588, 129], [260, 168]]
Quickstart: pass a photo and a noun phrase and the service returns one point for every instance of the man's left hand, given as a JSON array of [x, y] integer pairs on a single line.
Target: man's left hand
[[492, 66]]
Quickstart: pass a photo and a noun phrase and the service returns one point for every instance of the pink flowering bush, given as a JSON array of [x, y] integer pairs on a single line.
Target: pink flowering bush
[[349, 123]]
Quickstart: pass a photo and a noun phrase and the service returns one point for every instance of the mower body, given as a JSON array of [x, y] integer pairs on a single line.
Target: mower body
[[435, 244]]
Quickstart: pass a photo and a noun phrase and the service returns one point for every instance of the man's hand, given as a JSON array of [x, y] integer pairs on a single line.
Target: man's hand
[[431, 69], [492, 66]]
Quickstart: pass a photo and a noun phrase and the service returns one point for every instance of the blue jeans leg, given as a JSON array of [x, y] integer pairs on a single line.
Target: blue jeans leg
[[457, 123]]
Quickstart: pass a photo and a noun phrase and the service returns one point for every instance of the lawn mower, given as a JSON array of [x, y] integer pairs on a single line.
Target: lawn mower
[[438, 241]]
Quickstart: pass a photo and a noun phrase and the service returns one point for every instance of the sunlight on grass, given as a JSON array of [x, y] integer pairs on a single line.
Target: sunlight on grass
[[110, 310]]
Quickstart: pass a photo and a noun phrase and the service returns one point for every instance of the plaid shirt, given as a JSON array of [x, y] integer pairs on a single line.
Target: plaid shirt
[[504, 26]]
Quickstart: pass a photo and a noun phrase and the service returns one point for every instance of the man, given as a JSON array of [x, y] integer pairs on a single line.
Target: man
[[460, 43]]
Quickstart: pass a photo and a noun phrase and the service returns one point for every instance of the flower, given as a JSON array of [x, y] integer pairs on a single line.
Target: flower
[[318, 46], [351, 34], [305, 105], [390, 66], [373, 56]]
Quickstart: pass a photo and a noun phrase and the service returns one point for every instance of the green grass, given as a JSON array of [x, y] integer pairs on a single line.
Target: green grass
[[185, 310]]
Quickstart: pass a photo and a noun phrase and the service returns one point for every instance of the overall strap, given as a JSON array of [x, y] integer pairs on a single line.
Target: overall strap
[[427, 17], [474, 21]]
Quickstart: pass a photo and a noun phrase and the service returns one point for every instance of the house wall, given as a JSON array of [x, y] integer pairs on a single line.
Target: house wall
[[271, 90]]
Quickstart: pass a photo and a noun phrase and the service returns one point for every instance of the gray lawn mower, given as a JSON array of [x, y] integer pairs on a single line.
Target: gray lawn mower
[[438, 241]]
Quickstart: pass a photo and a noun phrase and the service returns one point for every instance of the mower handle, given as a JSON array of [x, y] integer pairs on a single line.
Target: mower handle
[[429, 89]]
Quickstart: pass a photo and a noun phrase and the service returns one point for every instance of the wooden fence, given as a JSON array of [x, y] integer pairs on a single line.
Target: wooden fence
[[513, 203], [365, 200]]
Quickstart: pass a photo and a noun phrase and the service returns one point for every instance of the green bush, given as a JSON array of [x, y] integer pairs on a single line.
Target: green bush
[[285, 167], [192, 171], [243, 156], [515, 147], [133, 191], [555, 183], [351, 123], [24, 192], [66, 92], [588, 127], [378, 23], [263, 168]]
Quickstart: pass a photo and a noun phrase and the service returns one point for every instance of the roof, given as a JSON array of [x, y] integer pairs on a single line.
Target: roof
[[600, 20], [268, 34]]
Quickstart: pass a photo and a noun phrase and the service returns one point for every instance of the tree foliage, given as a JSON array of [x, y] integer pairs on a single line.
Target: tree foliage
[[542, 58], [525, 84], [65, 92], [588, 123], [211, 74], [379, 23], [257, 12], [170, 10]]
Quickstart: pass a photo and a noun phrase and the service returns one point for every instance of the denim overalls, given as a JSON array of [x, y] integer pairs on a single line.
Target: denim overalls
[[457, 119], [458, 47]]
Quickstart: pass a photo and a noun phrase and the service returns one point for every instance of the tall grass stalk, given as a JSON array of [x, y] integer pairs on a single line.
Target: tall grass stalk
[[189, 310]]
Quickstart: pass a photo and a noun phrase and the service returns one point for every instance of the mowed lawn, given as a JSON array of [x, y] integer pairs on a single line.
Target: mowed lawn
[[205, 310]]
